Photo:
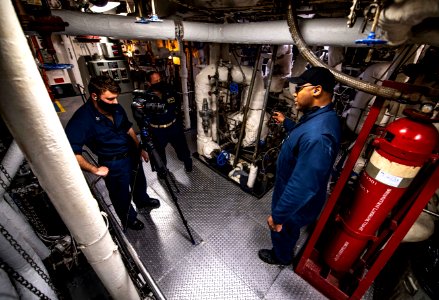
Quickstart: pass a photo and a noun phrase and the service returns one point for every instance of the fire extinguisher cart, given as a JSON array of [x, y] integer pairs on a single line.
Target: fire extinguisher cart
[[343, 265]]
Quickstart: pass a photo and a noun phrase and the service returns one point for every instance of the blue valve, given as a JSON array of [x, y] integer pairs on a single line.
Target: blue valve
[[222, 158], [234, 88], [371, 40], [152, 18], [142, 20]]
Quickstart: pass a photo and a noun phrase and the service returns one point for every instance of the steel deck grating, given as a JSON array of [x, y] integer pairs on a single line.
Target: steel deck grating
[[229, 226]]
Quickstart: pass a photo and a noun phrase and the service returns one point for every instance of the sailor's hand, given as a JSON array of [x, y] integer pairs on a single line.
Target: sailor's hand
[[273, 226], [101, 171], [278, 117], [145, 156]]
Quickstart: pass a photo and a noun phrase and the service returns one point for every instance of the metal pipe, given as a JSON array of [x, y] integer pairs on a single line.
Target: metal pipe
[[10, 164], [8, 290], [19, 255], [264, 105], [28, 112], [124, 242], [378, 90], [16, 223], [431, 213], [316, 32], [184, 91], [247, 105]]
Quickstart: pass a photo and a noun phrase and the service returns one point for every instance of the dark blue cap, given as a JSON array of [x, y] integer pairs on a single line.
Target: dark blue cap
[[316, 76]]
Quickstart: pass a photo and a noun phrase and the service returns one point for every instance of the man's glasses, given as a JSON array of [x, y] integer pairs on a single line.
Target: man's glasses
[[300, 87]]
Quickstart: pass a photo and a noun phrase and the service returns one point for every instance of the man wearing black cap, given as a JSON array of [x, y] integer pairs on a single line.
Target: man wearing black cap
[[304, 163]]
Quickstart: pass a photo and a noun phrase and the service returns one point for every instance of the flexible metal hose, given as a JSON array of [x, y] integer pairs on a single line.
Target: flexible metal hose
[[373, 89]]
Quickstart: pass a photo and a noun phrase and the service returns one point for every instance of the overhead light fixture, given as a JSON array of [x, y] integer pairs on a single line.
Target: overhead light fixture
[[109, 6]]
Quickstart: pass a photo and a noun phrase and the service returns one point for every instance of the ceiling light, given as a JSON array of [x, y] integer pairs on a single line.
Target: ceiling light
[[107, 7]]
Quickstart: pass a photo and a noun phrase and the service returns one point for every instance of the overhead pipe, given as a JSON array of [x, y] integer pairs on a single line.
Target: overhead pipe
[[41, 137], [316, 32], [398, 19], [374, 89]]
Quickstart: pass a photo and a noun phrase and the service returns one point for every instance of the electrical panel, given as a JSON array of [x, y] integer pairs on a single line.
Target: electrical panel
[[116, 69]]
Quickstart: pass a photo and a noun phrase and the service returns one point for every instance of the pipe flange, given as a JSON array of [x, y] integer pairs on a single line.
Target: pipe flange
[[179, 30]]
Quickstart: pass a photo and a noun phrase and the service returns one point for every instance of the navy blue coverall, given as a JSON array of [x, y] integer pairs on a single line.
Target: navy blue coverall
[[168, 127], [116, 150], [303, 169]]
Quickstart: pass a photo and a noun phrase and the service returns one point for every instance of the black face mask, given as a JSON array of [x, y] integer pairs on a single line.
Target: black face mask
[[159, 86], [110, 108]]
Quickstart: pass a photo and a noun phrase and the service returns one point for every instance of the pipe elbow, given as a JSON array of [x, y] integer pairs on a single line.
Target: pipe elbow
[[398, 19]]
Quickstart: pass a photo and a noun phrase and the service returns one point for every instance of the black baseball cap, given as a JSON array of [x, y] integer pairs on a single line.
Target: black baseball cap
[[316, 76]]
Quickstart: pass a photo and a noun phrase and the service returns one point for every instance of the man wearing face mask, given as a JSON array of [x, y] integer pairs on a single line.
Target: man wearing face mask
[[102, 125], [168, 127]]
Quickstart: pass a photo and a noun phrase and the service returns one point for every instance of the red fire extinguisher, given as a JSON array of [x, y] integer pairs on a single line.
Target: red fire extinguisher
[[404, 147]]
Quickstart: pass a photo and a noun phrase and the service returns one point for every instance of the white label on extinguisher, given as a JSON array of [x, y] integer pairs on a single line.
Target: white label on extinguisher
[[388, 179]]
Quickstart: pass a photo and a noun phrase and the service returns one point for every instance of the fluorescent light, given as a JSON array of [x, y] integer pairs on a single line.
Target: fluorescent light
[[107, 7]]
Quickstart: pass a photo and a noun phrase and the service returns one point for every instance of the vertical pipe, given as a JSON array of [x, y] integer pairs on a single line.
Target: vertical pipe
[[267, 92], [184, 91], [31, 118], [19, 260], [8, 290], [11, 162], [247, 105]]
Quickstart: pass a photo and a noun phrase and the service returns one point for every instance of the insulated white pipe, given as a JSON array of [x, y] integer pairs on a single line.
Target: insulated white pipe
[[16, 261], [357, 113], [398, 19], [28, 112], [7, 289], [15, 223], [203, 86], [11, 162], [184, 90], [72, 59], [119, 27], [10, 218], [316, 32]]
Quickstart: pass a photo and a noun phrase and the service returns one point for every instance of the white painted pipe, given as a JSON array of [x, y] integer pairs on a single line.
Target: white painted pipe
[[14, 222], [202, 88], [71, 59], [11, 219], [398, 19], [252, 175], [27, 110], [316, 32], [11, 163], [184, 90], [357, 112], [16, 261], [120, 27], [7, 289]]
